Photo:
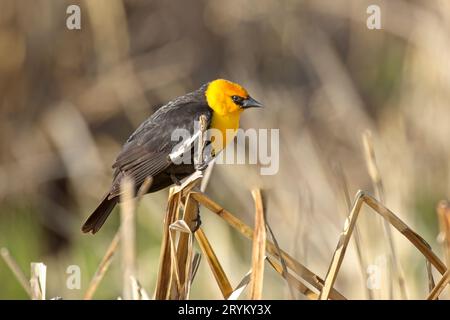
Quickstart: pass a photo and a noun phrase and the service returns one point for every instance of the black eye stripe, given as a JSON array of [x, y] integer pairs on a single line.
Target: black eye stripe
[[238, 100]]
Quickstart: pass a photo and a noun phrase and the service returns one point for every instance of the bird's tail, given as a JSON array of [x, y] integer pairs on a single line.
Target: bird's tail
[[99, 216]]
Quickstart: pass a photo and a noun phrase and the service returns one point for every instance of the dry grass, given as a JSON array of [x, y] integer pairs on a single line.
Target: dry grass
[[393, 220], [375, 175], [179, 260]]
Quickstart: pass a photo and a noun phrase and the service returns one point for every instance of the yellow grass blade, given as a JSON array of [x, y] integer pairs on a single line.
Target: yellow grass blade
[[259, 248]]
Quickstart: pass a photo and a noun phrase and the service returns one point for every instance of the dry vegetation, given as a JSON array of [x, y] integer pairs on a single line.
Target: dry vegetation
[[179, 261]]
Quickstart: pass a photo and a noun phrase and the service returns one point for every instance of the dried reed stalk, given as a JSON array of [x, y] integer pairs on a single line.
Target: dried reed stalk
[[165, 287], [165, 260], [258, 249], [434, 294], [339, 253], [216, 267], [185, 247], [180, 285], [137, 291], [16, 270], [245, 230], [343, 187]]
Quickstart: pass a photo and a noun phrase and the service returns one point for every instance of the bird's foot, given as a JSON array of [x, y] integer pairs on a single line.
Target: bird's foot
[[175, 180]]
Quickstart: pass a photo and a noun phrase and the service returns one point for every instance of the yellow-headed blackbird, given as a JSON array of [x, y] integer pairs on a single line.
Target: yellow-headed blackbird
[[148, 152]]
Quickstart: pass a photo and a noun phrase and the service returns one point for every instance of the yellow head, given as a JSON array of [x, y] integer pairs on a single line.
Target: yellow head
[[226, 97]]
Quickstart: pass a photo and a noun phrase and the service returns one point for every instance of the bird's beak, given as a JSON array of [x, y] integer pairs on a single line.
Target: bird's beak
[[251, 103]]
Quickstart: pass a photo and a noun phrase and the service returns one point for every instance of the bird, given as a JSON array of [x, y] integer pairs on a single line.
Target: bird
[[150, 152]]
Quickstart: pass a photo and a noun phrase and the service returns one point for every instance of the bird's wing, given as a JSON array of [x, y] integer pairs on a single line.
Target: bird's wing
[[148, 151]]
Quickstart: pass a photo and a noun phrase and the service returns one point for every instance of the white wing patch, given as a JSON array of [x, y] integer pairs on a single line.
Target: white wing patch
[[183, 148]]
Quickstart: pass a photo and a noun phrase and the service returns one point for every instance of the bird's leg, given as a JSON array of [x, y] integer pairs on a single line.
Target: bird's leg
[[201, 162], [175, 180]]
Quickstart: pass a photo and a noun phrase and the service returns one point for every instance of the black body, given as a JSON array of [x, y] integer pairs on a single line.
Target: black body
[[146, 152]]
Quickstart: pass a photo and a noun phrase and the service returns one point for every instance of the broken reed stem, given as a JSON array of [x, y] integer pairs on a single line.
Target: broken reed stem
[[102, 268], [357, 237], [127, 236], [16, 270], [338, 255], [216, 267], [303, 272], [38, 280], [258, 248], [374, 173], [437, 290], [339, 252]]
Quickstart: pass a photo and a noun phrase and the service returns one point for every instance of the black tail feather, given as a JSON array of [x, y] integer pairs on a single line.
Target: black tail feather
[[99, 216]]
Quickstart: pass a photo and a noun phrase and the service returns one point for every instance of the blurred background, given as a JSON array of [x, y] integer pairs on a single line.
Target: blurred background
[[70, 98]]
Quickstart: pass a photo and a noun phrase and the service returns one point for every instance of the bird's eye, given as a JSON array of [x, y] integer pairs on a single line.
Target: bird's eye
[[238, 100]]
